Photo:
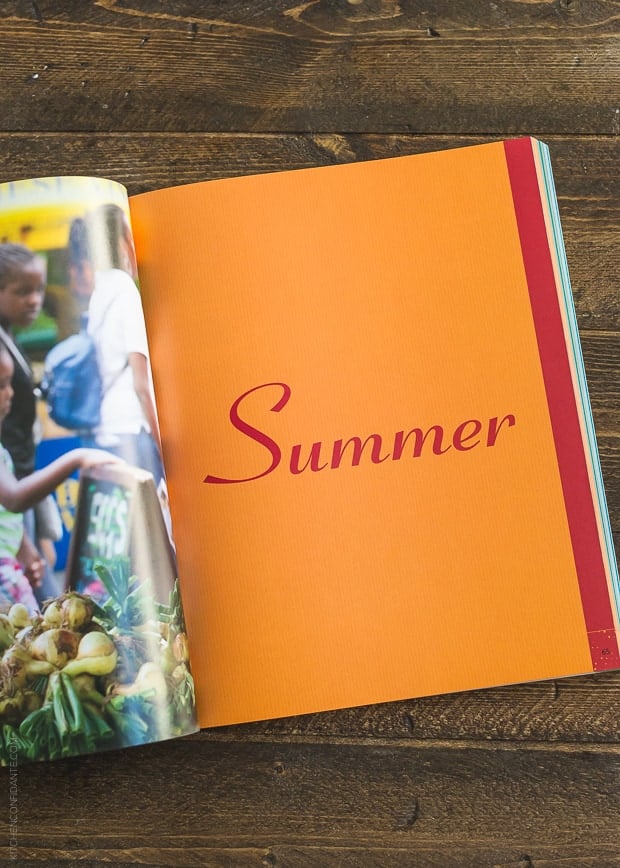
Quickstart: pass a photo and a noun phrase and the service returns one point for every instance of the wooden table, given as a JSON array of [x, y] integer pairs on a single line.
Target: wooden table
[[154, 93]]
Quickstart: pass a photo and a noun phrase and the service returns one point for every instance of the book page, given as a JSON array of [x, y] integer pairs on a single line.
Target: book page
[[92, 633], [362, 434]]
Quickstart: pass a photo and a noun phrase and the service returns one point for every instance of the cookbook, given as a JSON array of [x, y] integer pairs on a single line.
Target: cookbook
[[315, 439]]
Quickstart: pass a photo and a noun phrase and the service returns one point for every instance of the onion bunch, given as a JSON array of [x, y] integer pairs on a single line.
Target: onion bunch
[[74, 679]]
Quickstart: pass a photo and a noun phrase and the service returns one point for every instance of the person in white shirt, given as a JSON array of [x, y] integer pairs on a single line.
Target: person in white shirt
[[102, 266]]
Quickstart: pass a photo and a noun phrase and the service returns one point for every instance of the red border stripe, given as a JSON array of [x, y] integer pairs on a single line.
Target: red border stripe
[[563, 411]]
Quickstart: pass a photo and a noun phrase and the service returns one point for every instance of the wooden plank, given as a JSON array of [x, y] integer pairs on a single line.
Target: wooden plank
[[601, 353], [318, 856], [381, 66], [272, 802], [585, 168]]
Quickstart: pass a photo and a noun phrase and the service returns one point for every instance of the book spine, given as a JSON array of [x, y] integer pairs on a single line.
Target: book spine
[[590, 563]]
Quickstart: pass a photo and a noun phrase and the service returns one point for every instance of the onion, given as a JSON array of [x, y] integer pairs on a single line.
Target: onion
[[52, 614], [55, 646], [179, 673], [6, 634], [76, 611], [4, 619], [180, 648], [96, 656], [19, 616], [95, 644], [27, 635], [149, 678], [19, 666]]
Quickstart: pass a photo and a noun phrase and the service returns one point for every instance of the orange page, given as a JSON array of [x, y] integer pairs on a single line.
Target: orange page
[[370, 485]]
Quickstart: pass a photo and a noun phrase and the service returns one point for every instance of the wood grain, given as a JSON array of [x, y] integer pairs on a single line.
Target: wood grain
[[154, 93], [366, 66], [281, 800]]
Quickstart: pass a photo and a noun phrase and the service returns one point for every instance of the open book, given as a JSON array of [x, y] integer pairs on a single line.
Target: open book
[[381, 474]]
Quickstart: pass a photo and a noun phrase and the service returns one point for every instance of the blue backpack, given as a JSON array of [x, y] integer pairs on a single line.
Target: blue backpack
[[72, 383]]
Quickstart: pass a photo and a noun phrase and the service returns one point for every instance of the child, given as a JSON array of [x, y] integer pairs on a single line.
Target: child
[[22, 289], [18, 495]]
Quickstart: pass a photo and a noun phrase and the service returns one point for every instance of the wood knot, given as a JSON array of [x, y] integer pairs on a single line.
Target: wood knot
[[408, 819]]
